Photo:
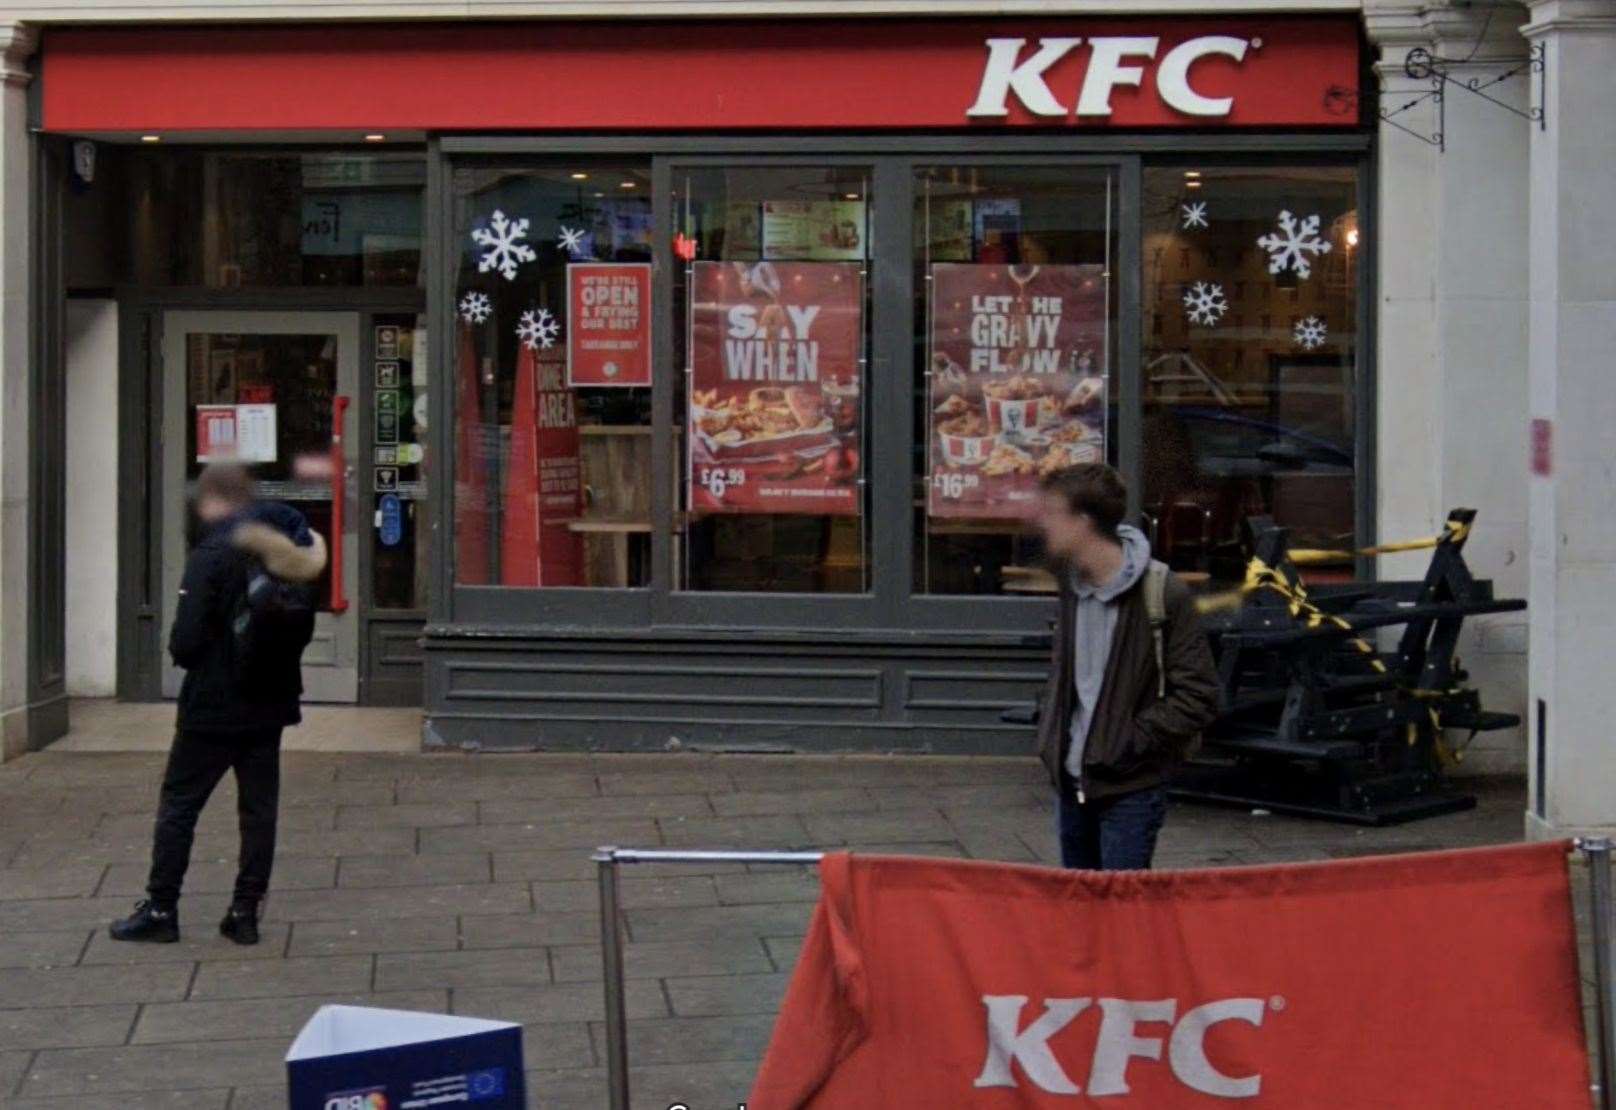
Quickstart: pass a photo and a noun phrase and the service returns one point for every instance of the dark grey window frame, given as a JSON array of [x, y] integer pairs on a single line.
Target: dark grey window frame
[[45, 638], [140, 503], [140, 319], [891, 606]]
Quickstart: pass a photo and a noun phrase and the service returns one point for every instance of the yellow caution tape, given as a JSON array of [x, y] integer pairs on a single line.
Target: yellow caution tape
[[1307, 556], [1260, 576]]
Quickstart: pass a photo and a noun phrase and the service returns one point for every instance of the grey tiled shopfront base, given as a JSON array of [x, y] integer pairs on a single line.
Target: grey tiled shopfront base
[[463, 883]]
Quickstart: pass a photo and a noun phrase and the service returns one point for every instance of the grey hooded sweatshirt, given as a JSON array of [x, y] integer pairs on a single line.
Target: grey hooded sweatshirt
[[1095, 622]]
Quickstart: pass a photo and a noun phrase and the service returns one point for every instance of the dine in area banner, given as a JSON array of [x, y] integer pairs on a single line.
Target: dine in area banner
[[1057, 73], [1443, 979]]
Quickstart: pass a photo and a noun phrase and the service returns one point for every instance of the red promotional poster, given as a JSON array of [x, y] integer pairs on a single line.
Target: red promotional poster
[[543, 486], [472, 507], [1324, 986], [215, 432], [1018, 385], [609, 323], [775, 382]]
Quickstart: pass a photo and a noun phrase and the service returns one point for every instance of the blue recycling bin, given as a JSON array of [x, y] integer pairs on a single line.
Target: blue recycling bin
[[361, 1058]]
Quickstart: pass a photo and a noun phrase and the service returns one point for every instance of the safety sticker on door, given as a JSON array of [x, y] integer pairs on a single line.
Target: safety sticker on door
[[390, 519]]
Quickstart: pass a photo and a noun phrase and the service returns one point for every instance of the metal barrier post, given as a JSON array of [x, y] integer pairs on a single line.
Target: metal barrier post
[[611, 939], [1596, 850], [611, 945]]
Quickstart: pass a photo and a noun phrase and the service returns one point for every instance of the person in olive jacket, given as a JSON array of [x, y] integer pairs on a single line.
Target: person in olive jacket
[[240, 641], [1132, 682]]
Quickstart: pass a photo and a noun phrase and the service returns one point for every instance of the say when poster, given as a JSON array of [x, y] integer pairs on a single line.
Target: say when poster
[[1017, 383], [775, 350]]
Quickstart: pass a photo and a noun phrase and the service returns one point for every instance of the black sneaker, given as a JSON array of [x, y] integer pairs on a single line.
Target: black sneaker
[[240, 923], [149, 923]]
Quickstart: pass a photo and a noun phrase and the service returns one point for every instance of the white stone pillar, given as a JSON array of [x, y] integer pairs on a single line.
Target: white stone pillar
[[1408, 418], [1572, 386], [1452, 333], [17, 42]]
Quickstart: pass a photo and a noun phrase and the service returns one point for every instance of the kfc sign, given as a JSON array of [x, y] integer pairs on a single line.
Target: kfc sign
[[1228, 70], [1113, 60], [1118, 1041]]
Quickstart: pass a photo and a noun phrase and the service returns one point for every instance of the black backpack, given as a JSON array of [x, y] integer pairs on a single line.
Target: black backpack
[[272, 623]]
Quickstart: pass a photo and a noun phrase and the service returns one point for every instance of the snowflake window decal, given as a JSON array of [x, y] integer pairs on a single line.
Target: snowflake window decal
[[503, 238], [1289, 250], [1310, 333], [537, 328], [571, 239], [475, 307], [1194, 215], [1204, 303]]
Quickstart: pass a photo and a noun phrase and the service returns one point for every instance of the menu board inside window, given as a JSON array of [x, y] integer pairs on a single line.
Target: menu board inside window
[[775, 387], [1017, 382]]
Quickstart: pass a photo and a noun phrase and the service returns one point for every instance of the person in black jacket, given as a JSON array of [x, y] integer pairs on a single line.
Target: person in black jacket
[[243, 682]]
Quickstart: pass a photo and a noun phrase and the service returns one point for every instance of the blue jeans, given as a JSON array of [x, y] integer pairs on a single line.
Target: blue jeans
[[1110, 834]]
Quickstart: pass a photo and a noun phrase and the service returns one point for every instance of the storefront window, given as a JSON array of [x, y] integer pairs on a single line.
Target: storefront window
[[1015, 348], [771, 301], [552, 370], [231, 219], [1250, 318]]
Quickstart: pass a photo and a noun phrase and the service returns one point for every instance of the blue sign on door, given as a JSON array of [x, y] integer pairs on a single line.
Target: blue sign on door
[[391, 511]]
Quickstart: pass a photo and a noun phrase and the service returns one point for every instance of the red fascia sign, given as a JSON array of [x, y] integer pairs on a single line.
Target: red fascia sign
[[1292, 71]]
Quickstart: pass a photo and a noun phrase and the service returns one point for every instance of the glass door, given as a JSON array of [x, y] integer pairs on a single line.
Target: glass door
[[273, 390]]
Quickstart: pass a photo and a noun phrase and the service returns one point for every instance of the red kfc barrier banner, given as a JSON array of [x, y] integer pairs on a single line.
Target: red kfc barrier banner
[[543, 482], [1445, 979], [1018, 386], [775, 356], [609, 323]]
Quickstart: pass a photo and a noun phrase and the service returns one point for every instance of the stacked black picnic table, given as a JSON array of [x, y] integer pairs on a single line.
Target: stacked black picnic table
[[1328, 711]]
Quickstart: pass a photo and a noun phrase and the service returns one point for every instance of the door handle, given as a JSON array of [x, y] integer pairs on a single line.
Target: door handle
[[339, 498]]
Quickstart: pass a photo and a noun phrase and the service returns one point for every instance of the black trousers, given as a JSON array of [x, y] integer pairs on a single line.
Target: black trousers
[[196, 763]]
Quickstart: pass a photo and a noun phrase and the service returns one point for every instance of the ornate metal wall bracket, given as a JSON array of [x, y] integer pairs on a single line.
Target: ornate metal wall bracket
[[1422, 65], [1434, 95], [1342, 101]]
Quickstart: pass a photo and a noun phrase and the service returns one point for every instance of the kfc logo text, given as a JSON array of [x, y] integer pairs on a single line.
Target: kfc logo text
[[1119, 1041], [1114, 60]]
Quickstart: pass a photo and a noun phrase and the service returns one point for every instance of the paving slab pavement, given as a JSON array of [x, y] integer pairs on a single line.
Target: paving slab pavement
[[462, 883]]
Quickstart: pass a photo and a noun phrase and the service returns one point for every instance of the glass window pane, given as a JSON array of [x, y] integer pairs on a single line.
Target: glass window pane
[[400, 534], [231, 219], [773, 298], [1015, 327], [1249, 365], [265, 399], [552, 366]]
